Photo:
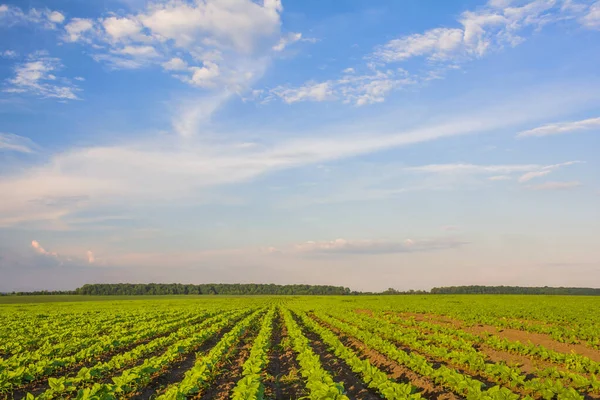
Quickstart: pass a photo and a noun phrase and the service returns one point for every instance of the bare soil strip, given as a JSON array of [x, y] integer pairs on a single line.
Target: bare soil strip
[[510, 334], [436, 363], [527, 364], [283, 381], [538, 339], [398, 372]]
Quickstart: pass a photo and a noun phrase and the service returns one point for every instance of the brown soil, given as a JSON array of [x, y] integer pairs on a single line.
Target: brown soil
[[41, 385], [394, 370], [436, 363], [529, 365], [175, 372], [364, 311], [339, 370], [433, 318], [230, 371], [283, 381], [511, 334], [537, 339]]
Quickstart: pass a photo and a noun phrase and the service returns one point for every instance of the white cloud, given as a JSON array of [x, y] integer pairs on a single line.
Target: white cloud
[[592, 18], [37, 77], [20, 144], [226, 45], [562, 128], [56, 17], [439, 43], [138, 51], [78, 29], [175, 64], [311, 91], [349, 70], [204, 76], [354, 89], [79, 78], [122, 28], [9, 54], [556, 185], [238, 24], [39, 249], [43, 18], [495, 26]]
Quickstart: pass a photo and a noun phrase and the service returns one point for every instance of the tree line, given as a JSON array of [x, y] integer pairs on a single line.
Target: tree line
[[128, 289], [515, 290], [209, 288]]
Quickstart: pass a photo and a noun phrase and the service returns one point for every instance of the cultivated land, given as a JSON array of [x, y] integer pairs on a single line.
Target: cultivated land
[[342, 347]]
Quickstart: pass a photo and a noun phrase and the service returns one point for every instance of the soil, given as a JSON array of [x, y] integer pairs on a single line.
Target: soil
[[41, 385], [511, 334], [529, 365], [230, 371], [176, 371], [537, 339], [339, 370], [283, 381], [394, 370]]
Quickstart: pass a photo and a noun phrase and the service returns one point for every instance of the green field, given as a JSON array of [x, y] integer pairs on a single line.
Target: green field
[[292, 347]]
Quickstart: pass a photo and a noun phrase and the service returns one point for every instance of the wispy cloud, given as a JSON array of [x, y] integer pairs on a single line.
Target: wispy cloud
[[63, 259], [351, 88], [562, 128], [556, 185], [344, 246], [168, 168], [37, 247], [591, 20], [531, 175], [492, 27], [530, 171], [545, 170], [12, 142], [460, 168], [37, 76], [9, 54], [500, 178]]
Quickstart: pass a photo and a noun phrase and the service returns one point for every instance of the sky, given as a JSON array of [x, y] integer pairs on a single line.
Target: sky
[[371, 145]]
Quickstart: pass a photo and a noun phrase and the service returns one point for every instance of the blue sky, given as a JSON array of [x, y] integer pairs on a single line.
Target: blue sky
[[367, 144]]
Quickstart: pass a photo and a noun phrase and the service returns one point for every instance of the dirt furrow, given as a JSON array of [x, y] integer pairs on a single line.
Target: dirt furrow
[[341, 372], [283, 381], [399, 372]]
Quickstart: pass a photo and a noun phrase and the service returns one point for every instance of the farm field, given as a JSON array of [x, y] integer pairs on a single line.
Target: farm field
[[292, 347]]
